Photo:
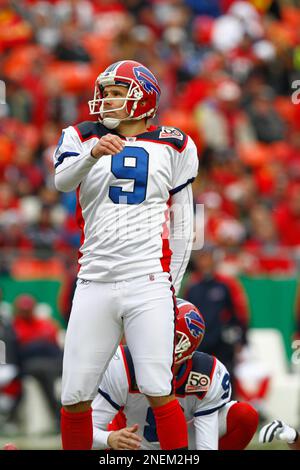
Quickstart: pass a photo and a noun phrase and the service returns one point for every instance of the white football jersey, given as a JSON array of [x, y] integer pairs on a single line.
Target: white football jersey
[[123, 199], [203, 389]]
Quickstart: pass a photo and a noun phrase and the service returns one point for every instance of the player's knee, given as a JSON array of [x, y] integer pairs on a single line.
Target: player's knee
[[78, 407], [155, 389], [247, 418]]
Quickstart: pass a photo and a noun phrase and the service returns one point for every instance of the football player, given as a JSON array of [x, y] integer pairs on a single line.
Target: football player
[[202, 387], [129, 178], [281, 431]]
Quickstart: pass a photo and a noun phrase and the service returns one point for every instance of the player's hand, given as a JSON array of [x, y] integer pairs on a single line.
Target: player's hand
[[125, 439], [109, 144], [279, 430]]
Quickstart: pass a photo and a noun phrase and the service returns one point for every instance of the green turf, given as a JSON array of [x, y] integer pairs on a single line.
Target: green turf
[[53, 442]]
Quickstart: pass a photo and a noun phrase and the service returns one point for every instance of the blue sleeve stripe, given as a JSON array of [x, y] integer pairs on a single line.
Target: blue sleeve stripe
[[63, 156], [107, 397], [179, 188], [209, 412]]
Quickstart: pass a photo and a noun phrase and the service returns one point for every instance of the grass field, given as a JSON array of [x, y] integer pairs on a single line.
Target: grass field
[[53, 443]]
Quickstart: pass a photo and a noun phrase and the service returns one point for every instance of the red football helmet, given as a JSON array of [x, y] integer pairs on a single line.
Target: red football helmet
[[190, 329], [142, 96]]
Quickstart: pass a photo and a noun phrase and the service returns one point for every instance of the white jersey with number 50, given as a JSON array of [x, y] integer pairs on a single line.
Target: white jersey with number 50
[[123, 199]]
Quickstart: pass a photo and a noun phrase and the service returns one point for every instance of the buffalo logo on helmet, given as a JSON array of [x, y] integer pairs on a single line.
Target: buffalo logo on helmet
[[194, 323], [146, 79]]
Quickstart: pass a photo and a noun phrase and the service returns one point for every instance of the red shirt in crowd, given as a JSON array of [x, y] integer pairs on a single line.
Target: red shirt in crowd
[[35, 329]]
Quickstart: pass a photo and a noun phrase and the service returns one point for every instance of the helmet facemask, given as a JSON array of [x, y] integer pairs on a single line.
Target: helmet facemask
[[183, 344], [131, 100]]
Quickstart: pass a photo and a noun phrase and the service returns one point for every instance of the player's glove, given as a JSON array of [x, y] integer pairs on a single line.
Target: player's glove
[[279, 430]]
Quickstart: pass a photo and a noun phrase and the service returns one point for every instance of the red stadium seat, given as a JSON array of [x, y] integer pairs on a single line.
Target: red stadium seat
[[255, 154], [71, 76], [33, 268], [20, 59]]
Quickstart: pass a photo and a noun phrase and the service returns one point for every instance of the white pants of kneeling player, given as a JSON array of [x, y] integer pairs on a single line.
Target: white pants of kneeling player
[[101, 312]]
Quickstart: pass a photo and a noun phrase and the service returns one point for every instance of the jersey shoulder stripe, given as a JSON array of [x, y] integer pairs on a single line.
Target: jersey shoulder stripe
[[128, 362], [172, 136], [203, 364], [88, 129]]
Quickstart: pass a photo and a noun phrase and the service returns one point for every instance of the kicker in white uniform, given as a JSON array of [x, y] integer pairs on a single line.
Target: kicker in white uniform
[[129, 178]]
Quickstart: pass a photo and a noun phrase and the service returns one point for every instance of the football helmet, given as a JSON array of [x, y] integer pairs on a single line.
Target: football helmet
[[142, 96], [190, 329]]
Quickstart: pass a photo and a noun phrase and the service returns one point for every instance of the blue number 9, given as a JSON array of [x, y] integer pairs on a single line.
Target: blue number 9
[[226, 386], [139, 173]]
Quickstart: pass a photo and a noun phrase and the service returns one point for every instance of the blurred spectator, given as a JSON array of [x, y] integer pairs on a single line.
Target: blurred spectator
[[222, 303], [70, 47], [8, 199], [262, 229], [12, 234], [265, 120], [10, 371], [78, 11], [263, 244], [202, 7], [43, 234], [39, 348], [18, 101], [287, 217], [24, 174], [231, 125], [33, 84]]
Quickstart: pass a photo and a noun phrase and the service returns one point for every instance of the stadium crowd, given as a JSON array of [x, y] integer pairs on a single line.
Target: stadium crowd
[[227, 62], [228, 70]]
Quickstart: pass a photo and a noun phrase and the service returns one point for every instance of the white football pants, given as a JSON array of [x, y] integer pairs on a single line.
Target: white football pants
[[142, 308]]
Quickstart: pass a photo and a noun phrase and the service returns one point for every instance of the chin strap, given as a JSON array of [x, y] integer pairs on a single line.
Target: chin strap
[[111, 123]]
